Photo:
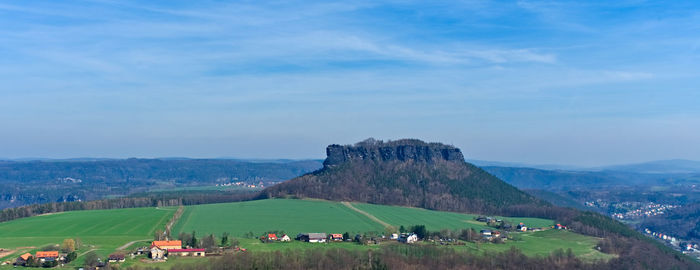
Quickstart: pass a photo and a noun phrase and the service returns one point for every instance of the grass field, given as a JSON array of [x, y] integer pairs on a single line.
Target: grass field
[[437, 220], [544, 243], [106, 230], [295, 216], [99, 230], [291, 216]]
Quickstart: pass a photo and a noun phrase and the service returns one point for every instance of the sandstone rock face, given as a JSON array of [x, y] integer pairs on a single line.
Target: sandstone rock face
[[401, 150]]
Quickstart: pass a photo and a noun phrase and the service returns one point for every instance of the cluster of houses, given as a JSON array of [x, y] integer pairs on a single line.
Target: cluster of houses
[[646, 210], [686, 247], [40, 256], [161, 249], [337, 237], [305, 237]]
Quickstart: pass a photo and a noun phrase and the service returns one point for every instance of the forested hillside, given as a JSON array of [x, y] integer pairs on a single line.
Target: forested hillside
[[404, 172]]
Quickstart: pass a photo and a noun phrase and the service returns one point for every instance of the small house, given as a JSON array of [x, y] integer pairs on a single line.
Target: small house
[[408, 238], [486, 233], [272, 237], [394, 236], [47, 256], [521, 227], [194, 252], [312, 237], [336, 237], [285, 238], [22, 259], [560, 227], [157, 253], [116, 257]]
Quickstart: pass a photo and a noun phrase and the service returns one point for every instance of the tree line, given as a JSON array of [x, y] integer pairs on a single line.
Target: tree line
[[416, 257]]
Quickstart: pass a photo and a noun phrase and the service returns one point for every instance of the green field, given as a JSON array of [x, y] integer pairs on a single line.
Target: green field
[[99, 230], [106, 230], [295, 216], [544, 242], [291, 216], [437, 220]]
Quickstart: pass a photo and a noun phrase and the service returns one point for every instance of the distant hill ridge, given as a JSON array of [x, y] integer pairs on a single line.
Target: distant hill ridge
[[405, 172]]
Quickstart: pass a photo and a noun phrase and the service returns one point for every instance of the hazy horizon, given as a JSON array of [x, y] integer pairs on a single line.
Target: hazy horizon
[[583, 84]]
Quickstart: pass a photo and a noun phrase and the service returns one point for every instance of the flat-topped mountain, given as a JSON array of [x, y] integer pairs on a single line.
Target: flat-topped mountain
[[401, 150], [405, 172]]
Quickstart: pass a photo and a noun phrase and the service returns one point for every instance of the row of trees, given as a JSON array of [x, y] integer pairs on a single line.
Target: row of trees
[[142, 200], [208, 242], [417, 257]]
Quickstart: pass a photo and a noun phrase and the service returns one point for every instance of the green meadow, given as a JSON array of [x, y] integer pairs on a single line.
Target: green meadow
[[437, 220], [105, 230], [291, 216], [100, 230], [543, 243]]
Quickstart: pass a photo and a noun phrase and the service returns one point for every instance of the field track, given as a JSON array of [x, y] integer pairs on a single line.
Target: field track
[[368, 215], [131, 243]]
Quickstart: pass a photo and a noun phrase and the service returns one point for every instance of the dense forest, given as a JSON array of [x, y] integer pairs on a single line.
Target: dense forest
[[30, 182], [407, 173]]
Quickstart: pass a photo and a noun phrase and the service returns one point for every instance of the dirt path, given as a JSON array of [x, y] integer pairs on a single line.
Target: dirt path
[[370, 216], [131, 243], [86, 252], [175, 218]]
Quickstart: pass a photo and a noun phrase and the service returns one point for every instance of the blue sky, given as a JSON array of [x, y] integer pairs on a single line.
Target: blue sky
[[583, 83]]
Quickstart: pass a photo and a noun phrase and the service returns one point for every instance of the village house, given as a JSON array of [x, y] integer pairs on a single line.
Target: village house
[[560, 227], [194, 252], [157, 253], [47, 256], [285, 238], [336, 237], [166, 245], [312, 237], [272, 237], [394, 236], [521, 227], [486, 233], [116, 257], [22, 259], [408, 238]]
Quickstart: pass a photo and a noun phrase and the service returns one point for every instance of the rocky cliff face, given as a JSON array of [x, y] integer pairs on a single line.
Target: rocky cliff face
[[401, 150]]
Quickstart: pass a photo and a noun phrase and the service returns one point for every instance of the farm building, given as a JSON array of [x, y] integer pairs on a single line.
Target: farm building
[[272, 237], [157, 253], [285, 238], [194, 252], [408, 238], [22, 259], [522, 227], [486, 233], [312, 237], [336, 237], [116, 257], [47, 256], [394, 236], [174, 244]]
